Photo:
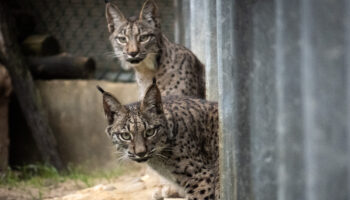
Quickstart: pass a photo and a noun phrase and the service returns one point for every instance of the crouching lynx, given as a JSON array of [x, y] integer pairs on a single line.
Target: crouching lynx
[[176, 136], [139, 44]]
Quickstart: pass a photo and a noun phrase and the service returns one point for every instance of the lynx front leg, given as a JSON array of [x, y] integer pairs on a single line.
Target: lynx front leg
[[206, 195], [201, 189]]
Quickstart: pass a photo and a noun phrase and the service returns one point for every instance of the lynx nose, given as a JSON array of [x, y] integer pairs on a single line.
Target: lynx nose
[[133, 53], [140, 151]]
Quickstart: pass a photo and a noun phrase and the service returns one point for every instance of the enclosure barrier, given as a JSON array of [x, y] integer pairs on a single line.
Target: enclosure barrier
[[283, 82], [80, 27]]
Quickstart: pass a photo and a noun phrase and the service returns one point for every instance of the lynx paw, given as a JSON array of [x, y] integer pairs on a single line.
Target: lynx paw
[[167, 191], [157, 194]]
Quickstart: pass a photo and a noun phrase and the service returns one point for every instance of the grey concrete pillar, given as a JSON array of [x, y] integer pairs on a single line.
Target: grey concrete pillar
[[323, 39], [182, 22], [262, 97], [210, 49], [187, 23], [289, 121], [347, 55], [179, 22], [283, 73], [197, 29], [226, 70], [284, 96]]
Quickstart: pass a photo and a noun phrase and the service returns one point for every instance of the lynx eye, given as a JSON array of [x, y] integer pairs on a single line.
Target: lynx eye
[[122, 40], [125, 136], [145, 38], [150, 132]]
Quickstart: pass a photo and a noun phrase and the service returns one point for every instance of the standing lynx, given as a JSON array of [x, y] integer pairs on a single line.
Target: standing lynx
[[176, 136], [139, 44]]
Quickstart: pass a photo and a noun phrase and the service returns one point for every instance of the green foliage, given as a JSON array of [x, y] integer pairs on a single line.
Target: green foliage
[[39, 175]]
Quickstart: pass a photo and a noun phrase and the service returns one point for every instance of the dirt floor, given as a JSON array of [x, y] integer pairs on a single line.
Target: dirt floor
[[138, 185]]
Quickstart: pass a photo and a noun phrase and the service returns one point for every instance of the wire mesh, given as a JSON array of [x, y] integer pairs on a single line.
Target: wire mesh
[[81, 29]]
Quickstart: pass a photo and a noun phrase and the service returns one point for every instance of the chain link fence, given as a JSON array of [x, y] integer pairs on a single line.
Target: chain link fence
[[81, 29]]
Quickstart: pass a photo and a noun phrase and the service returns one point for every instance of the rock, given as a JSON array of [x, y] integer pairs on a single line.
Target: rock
[[109, 188], [174, 199], [134, 187], [98, 187]]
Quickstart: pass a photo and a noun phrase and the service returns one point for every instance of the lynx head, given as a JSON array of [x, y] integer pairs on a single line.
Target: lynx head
[[138, 130], [136, 38]]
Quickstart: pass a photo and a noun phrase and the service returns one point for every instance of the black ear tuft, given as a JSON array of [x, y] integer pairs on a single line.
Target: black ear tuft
[[107, 1], [112, 107], [100, 89], [154, 81]]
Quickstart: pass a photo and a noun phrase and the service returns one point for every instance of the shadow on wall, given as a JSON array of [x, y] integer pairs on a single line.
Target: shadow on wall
[[76, 116]]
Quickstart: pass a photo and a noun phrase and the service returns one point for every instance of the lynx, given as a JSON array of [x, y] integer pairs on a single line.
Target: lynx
[[139, 44], [176, 136]]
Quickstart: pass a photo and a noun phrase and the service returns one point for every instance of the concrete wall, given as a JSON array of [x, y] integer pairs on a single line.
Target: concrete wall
[[76, 115], [283, 84], [77, 118]]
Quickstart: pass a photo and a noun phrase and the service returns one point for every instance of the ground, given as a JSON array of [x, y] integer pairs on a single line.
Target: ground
[[132, 182]]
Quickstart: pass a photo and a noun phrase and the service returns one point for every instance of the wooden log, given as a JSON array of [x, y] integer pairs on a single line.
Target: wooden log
[[63, 66], [41, 45], [25, 89], [5, 90]]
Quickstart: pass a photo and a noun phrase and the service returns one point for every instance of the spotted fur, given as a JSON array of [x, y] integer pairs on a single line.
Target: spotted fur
[[176, 136], [139, 44]]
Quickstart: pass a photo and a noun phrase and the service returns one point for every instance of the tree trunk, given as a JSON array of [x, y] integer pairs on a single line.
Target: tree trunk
[[5, 90], [27, 94], [62, 66]]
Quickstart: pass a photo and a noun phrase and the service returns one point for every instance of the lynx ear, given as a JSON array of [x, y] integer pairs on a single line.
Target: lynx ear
[[152, 102], [114, 16], [149, 13], [112, 107]]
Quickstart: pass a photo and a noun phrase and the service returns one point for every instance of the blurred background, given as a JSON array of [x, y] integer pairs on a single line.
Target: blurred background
[[52, 124], [72, 33], [80, 28]]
